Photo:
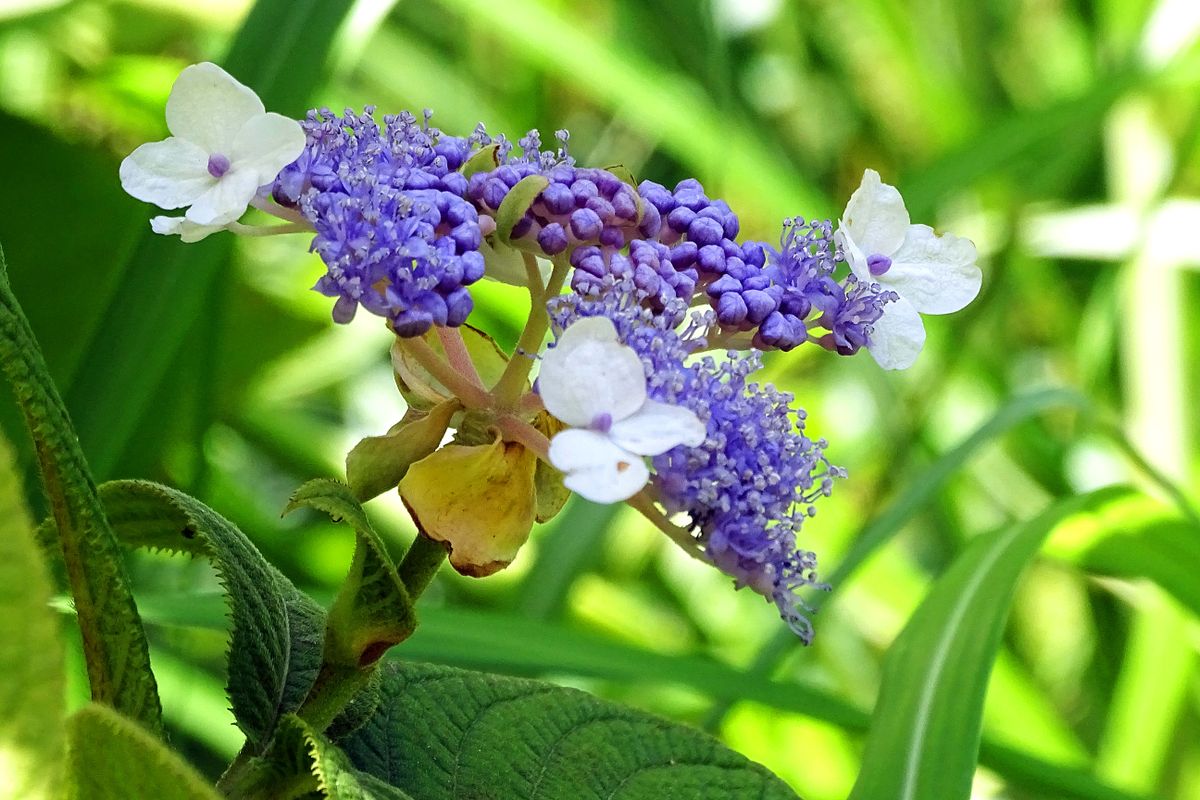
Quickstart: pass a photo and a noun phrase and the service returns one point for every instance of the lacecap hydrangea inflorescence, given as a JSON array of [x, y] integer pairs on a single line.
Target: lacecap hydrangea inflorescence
[[657, 310]]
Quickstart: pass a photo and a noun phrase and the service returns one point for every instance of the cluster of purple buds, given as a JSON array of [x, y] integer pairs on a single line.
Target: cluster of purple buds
[[391, 223]]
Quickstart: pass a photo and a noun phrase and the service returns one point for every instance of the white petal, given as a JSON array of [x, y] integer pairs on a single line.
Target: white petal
[[180, 226], [657, 427], [208, 106], [266, 144], [875, 218], [171, 173], [898, 336], [596, 468], [937, 274], [588, 373], [226, 200]]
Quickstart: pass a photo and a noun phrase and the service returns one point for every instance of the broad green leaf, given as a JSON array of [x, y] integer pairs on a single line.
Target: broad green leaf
[[372, 610], [275, 643], [31, 655], [113, 758], [516, 203], [448, 733], [484, 159], [925, 731], [378, 463], [118, 661]]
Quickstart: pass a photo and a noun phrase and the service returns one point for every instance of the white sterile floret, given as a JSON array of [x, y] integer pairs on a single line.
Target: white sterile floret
[[932, 274], [595, 384], [224, 146]]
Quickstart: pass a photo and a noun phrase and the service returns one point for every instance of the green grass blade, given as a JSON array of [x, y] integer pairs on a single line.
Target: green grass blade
[[926, 727]]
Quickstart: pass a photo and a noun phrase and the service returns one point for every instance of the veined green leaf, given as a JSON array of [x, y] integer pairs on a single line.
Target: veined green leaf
[[114, 643], [276, 638], [448, 733], [113, 758], [31, 655], [926, 727]]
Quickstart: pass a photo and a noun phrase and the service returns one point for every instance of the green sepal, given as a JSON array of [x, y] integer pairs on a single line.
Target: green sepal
[[111, 757], [478, 499], [422, 391], [502, 262], [485, 159], [377, 463], [552, 495], [372, 610], [516, 203]]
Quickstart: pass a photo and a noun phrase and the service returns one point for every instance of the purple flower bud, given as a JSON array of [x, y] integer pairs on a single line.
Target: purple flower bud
[[475, 186], [753, 254], [452, 276], [758, 305], [473, 267], [690, 194], [711, 258], [558, 199], [466, 237], [584, 190], [508, 174], [494, 192], [588, 259], [413, 322], [646, 279], [343, 309], [601, 207], [680, 219], [612, 237], [657, 195], [552, 239], [684, 255], [705, 231], [459, 306], [524, 225], [723, 284], [455, 183], [731, 309], [585, 223], [624, 203], [651, 223], [756, 281]]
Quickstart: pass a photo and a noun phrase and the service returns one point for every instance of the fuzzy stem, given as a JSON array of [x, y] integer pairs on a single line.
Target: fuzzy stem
[[267, 230], [644, 503], [511, 385], [457, 355], [282, 212], [517, 430], [420, 564], [471, 395]]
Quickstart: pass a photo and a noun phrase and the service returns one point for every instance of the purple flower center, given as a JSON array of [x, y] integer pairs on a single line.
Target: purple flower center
[[602, 423], [877, 264], [218, 165]]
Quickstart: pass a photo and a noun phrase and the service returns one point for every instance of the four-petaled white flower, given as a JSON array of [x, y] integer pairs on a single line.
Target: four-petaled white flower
[[224, 147], [595, 384], [932, 274]]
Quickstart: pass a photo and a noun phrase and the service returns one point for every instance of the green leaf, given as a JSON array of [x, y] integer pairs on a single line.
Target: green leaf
[[31, 655], [516, 203], [275, 644], [372, 610], [925, 731], [303, 758], [377, 463], [113, 758], [449, 733], [117, 656]]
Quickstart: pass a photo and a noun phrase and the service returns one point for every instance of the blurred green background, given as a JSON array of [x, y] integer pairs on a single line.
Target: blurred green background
[[1060, 136]]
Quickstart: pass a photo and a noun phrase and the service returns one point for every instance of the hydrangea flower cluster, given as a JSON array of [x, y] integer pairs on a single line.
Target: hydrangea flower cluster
[[646, 393]]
